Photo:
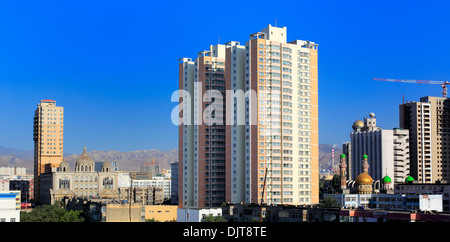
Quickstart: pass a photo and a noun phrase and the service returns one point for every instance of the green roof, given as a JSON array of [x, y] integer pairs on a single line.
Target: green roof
[[365, 156], [387, 179], [342, 156], [409, 179]]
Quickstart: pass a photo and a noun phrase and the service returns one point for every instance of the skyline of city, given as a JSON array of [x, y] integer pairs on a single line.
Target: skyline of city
[[231, 119], [86, 64]]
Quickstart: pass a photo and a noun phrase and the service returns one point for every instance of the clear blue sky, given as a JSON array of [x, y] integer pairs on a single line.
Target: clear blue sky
[[113, 65]]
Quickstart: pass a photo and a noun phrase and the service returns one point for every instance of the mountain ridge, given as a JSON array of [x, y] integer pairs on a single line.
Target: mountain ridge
[[127, 160]]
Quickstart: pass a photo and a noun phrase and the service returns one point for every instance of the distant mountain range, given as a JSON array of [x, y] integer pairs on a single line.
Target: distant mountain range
[[128, 161]]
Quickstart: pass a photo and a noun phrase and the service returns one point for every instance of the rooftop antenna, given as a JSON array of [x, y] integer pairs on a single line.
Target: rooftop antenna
[[276, 22]]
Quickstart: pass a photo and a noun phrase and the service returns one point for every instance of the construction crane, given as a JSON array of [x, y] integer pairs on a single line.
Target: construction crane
[[442, 83]]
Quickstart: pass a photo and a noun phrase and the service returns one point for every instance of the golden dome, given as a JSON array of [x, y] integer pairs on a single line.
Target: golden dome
[[358, 123], [364, 178]]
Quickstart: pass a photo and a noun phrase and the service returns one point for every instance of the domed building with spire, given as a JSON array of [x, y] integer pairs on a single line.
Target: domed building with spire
[[364, 181], [388, 150], [83, 182], [365, 192]]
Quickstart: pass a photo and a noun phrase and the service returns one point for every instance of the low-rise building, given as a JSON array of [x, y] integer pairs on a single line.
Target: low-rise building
[[438, 188], [142, 195], [106, 209], [352, 215], [161, 213], [390, 201], [242, 212], [196, 214], [9, 206]]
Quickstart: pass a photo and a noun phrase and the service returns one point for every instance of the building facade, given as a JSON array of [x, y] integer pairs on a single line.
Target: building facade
[[161, 213], [414, 188], [427, 122], [48, 140], [164, 184], [174, 183], [282, 129], [202, 137], [152, 167], [9, 206], [196, 214], [84, 181], [271, 124], [13, 171], [391, 201], [388, 150]]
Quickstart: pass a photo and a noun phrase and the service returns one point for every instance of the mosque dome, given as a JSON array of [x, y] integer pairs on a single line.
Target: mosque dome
[[372, 115], [364, 179], [358, 124], [409, 179], [387, 179]]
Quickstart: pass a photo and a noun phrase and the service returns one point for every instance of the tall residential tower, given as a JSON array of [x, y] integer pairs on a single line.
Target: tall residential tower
[[428, 122], [269, 114], [48, 140], [284, 138]]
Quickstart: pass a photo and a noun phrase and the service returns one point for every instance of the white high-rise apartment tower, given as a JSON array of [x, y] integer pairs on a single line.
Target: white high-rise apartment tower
[[271, 123]]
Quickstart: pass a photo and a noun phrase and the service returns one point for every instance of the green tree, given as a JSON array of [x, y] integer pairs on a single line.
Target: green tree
[[330, 201], [151, 220], [51, 213], [211, 218]]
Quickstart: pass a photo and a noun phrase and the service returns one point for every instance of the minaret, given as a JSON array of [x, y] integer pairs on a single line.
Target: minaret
[[365, 164], [364, 181], [343, 172]]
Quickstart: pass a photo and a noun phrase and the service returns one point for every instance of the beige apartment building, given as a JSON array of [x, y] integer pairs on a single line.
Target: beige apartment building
[[285, 137], [48, 140], [202, 141], [270, 92], [428, 122]]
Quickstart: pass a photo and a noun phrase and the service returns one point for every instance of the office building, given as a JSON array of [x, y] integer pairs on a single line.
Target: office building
[[428, 122], [388, 150], [48, 140], [271, 110]]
